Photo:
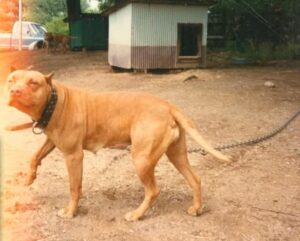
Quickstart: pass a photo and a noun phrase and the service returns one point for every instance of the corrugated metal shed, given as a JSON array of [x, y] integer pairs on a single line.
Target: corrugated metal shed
[[119, 38], [147, 35]]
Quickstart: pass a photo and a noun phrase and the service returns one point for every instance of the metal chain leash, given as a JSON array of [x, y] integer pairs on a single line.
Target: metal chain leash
[[251, 141]]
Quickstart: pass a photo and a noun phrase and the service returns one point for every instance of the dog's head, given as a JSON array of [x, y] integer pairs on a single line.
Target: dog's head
[[28, 91], [48, 36]]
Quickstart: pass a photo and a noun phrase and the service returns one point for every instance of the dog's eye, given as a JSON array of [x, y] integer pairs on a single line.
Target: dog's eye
[[10, 81], [33, 83]]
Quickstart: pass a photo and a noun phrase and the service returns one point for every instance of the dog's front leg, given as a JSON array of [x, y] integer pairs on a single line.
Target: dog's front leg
[[45, 149], [75, 167]]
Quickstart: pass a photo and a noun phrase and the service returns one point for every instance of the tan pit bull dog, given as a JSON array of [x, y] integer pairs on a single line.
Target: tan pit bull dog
[[75, 120]]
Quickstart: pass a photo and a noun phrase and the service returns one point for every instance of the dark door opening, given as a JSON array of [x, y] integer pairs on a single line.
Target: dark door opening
[[189, 40]]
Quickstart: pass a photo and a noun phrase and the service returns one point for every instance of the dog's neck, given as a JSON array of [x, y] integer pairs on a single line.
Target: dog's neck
[[46, 114]]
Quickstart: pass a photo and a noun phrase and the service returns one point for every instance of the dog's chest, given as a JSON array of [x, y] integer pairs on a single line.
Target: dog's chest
[[93, 146]]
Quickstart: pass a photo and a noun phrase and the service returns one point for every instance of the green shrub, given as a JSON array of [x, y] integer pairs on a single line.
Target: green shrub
[[268, 51], [57, 25]]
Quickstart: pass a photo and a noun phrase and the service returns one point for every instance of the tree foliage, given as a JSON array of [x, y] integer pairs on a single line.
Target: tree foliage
[[259, 29], [42, 11], [88, 6], [49, 13], [8, 14], [274, 21], [57, 25], [104, 4]]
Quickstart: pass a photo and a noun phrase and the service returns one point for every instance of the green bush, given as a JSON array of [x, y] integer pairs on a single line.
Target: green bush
[[57, 25], [262, 51], [289, 51]]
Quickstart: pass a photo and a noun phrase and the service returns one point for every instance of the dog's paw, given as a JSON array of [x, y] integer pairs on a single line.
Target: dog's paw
[[193, 211], [132, 216], [65, 213]]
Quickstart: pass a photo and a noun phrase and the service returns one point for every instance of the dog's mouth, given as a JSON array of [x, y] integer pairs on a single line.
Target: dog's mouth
[[14, 99], [19, 103]]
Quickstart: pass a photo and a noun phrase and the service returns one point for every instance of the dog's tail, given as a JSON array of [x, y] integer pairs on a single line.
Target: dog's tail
[[189, 127]]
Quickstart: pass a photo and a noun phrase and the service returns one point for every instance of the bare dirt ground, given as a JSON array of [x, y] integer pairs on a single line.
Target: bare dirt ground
[[255, 198]]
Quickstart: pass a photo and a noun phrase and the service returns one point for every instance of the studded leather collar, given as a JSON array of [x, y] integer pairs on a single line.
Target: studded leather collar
[[39, 125]]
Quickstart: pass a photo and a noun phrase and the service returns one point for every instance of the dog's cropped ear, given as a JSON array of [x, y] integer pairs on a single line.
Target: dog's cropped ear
[[48, 78], [12, 69]]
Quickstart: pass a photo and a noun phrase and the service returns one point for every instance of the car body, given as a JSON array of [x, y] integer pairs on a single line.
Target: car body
[[32, 36]]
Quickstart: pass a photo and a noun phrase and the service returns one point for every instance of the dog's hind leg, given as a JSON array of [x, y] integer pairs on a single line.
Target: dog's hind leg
[[177, 154], [149, 143], [146, 175]]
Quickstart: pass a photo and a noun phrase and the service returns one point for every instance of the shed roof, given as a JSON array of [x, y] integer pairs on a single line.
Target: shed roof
[[121, 3]]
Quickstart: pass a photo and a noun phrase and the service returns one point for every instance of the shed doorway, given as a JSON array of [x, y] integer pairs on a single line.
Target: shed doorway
[[189, 43]]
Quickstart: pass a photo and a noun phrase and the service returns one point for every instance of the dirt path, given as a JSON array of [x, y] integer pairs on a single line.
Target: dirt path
[[256, 198]]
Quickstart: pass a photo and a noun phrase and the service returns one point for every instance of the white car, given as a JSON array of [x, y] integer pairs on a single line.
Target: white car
[[33, 35]]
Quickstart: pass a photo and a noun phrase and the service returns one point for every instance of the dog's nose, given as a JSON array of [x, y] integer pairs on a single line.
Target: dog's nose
[[15, 92]]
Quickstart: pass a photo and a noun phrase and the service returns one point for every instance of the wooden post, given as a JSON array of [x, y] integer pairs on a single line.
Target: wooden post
[[20, 25]]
